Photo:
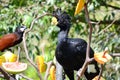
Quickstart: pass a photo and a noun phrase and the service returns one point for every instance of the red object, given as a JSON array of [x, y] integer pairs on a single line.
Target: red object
[[12, 39]]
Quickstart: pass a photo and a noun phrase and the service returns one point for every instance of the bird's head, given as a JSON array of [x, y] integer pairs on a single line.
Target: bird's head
[[61, 19], [20, 29]]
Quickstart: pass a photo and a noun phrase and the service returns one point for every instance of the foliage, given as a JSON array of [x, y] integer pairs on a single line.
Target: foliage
[[102, 14]]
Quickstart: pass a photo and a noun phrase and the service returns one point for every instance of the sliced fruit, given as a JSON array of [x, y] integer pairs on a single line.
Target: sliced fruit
[[79, 6], [7, 55], [52, 72], [43, 67], [39, 59], [102, 57], [2, 59], [13, 58], [40, 63], [14, 67], [10, 57]]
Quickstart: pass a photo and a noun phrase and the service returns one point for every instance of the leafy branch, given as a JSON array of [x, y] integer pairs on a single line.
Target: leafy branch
[[5, 74], [25, 45], [88, 59]]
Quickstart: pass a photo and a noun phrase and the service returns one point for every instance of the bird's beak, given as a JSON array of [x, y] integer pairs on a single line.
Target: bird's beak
[[54, 21], [23, 28]]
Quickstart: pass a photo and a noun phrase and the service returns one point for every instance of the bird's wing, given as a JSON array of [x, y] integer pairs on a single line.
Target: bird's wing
[[81, 47], [7, 41]]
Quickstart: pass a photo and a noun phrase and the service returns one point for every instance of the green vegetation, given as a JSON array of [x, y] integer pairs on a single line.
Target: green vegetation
[[42, 39]]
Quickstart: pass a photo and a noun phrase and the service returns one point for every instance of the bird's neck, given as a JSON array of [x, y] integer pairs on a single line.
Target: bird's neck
[[19, 34], [63, 34]]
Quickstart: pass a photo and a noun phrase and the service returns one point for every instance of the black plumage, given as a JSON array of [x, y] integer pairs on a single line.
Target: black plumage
[[71, 52]]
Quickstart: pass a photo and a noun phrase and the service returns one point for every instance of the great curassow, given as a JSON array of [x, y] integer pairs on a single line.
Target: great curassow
[[71, 52], [12, 39]]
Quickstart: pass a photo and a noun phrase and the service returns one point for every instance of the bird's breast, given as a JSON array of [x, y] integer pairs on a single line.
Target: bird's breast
[[67, 59]]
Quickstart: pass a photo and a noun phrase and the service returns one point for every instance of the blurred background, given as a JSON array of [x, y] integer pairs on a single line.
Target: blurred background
[[42, 40]]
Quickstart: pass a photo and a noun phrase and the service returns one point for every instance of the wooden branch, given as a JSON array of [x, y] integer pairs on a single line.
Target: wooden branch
[[27, 56], [79, 74], [88, 60], [84, 67], [101, 71], [19, 49], [105, 4], [6, 75], [115, 54], [107, 27], [49, 64], [38, 17], [117, 22], [90, 33], [118, 8], [25, 46], [92, 21]]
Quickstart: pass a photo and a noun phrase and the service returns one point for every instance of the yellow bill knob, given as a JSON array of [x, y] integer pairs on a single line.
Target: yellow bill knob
[[52, 72], [54, 21]]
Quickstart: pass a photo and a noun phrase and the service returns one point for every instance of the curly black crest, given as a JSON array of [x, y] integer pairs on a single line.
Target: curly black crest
[[64, 20]]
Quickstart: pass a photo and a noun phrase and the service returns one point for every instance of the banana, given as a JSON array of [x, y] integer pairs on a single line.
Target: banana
[[79, 6], [52, 72]]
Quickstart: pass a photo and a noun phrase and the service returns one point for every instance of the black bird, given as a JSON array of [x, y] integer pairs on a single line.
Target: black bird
[[12, 39], [71, 52]]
